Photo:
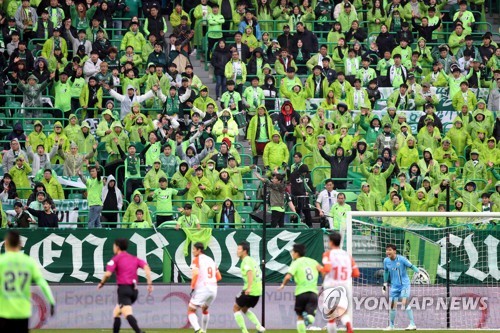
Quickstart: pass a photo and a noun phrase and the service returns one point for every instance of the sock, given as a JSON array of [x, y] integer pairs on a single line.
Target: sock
[[116, 325], [133, 323], [205, 317], [311, 319], [345, 319], [301, 326], [193, 320], [253, 318], [331, 327], [409, 313], [392, 316], [238, 316]]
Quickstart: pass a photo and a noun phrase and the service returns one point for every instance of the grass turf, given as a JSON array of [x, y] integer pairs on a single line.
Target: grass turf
[[231, 331]]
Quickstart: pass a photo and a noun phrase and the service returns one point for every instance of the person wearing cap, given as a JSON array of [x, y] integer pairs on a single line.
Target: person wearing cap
[[153, 176], [92, 65], [81, 39], [163, 197], [475, 76], [93, 30], [126, 100], [368, 200], [133, 38], [231, 99], [464, 96], [464, 16], [346, 16]]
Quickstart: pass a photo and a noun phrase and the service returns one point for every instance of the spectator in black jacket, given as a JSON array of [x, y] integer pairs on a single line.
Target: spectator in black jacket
[[20, 219], [17, 133], [101, 45], [8, 29], [405, 33], [105, 14], [330, 73], [257, 61], [339, 165], [8, 189], [40, 188], [385, 41], [356, 32], [285, 39], [46, 218], [24, 54], [424, 30], [243, 49], [486, 50], [302, 188], [430, 111], [44, 26], [220, 57], [309, 40]]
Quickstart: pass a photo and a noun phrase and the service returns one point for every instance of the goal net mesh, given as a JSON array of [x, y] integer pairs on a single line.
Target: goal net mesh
[[474, 274]]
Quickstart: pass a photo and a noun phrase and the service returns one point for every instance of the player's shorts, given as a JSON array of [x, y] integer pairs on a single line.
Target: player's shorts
[[400, 292], [247, 301], [14, 325], [307, 302], [127, 294], [203, 296]]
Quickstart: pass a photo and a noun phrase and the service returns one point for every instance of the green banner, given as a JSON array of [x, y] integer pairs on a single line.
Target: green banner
[[76, 256], [424, 251], [473, 253]]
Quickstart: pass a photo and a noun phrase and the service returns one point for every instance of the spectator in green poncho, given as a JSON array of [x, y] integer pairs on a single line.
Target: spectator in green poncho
[[136, 203]]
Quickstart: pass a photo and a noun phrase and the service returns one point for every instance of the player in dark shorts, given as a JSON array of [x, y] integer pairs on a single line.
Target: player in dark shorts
[[125, 266], [252, 289]]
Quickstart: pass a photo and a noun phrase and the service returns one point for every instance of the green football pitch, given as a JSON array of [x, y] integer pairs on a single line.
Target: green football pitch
[[236, 331]]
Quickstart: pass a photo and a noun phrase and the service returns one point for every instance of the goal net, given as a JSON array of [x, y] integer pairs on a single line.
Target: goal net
[[458, 283]]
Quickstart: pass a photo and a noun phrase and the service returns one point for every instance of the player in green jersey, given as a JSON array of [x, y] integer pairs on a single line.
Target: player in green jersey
[[305, 272], [252, 289], [17, 272]]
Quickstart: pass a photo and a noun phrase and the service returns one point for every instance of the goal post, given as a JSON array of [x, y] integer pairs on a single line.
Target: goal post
[[458, 281]]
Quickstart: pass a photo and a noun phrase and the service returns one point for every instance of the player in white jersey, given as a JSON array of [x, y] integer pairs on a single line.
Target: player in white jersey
[[203, 287], [340, 268]]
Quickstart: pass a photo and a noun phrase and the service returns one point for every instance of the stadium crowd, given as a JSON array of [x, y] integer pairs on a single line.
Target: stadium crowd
[[93, 85]]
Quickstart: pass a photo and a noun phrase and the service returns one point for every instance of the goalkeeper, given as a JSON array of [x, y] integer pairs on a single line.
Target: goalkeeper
[[395, 267]]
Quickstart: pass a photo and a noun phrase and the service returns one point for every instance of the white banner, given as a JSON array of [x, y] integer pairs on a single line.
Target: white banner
[[83, 306], [71, 181]]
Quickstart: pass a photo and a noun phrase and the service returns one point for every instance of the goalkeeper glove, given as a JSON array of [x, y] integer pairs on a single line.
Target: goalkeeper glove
[[384, 288]]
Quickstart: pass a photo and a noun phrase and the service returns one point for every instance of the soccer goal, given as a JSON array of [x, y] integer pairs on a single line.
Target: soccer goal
[[458, 281]]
